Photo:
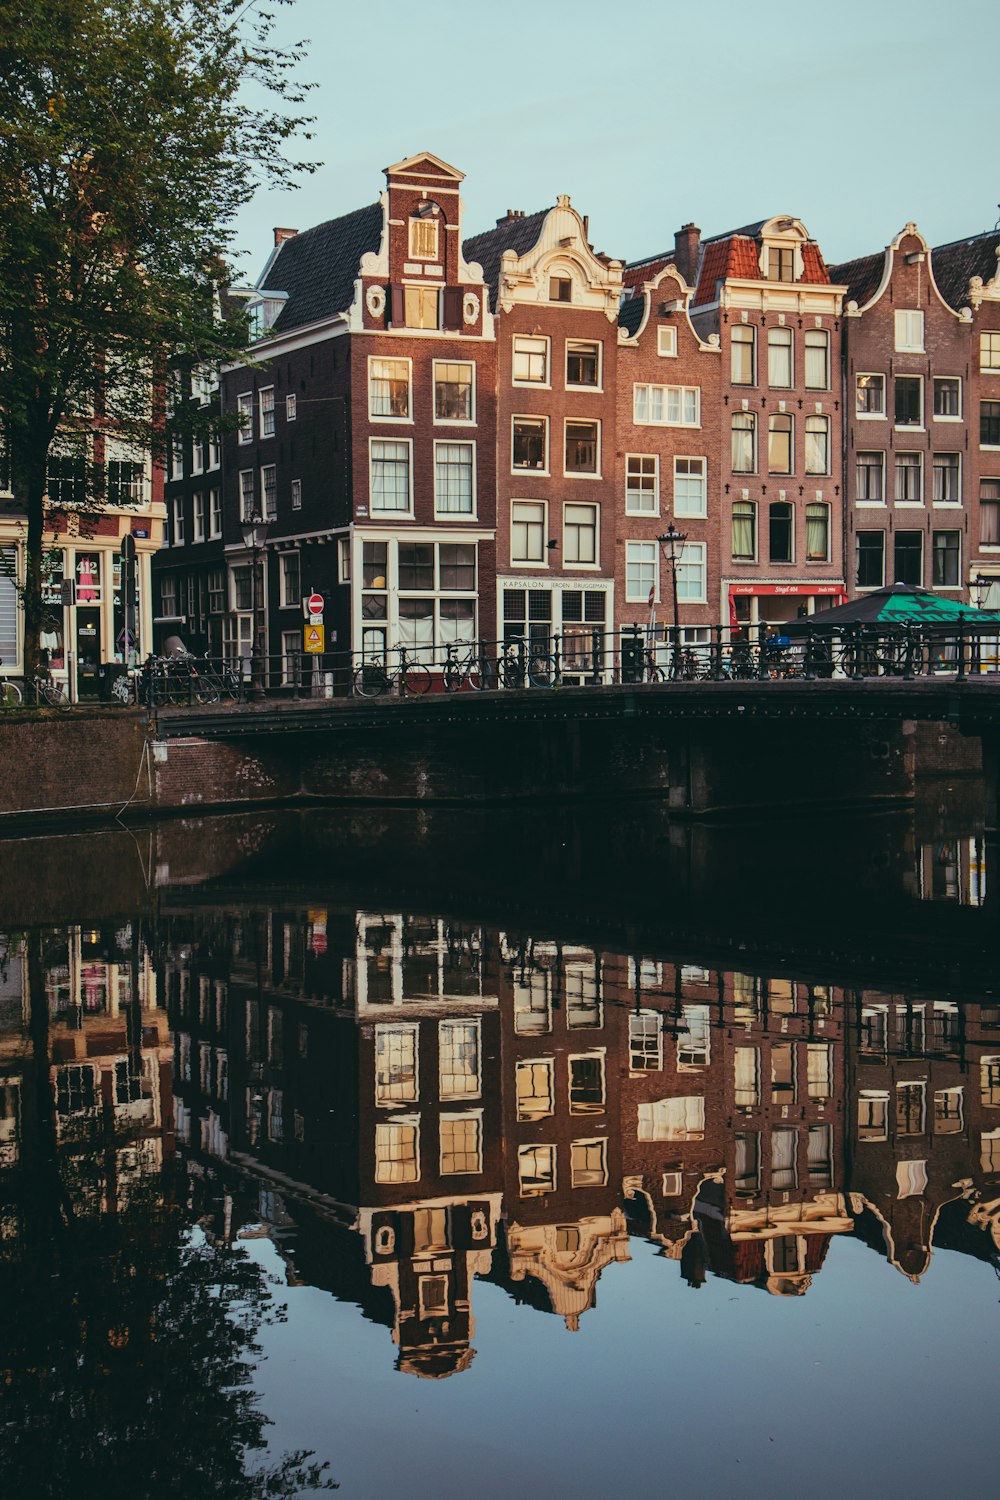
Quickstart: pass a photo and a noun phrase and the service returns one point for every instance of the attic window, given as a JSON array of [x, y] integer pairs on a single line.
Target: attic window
[[560, 289], [424, 239], [780, 263]]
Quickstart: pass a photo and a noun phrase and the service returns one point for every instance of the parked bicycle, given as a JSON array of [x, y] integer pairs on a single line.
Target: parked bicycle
[[524, 664], [41, 691], [473, 670], [374, 677]]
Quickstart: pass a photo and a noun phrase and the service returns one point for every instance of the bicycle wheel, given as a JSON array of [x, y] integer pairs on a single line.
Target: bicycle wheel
[[542, 671], [480, 674], [205, 690], [452, 676], [54, 693], [10, 694], [371, 680], [414, 680], [510, 672]]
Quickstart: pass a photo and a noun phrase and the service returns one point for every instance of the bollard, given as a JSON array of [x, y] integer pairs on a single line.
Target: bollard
[[762, 651]]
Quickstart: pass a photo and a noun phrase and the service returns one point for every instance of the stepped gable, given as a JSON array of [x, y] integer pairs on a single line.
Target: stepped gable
[[955, 265], [317, 269], [862, 277], [517, 232]]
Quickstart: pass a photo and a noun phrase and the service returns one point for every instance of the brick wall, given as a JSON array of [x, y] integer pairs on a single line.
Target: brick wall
[[64, 763]]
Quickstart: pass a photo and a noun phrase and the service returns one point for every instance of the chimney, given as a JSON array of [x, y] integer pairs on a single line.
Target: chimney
[[281, 235], [687, 242]]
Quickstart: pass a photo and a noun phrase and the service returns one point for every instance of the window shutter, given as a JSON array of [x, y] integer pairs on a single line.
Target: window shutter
[[397, 315], [452, 307]]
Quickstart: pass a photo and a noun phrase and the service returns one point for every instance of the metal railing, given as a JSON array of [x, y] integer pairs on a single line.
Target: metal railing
[[587, 658]]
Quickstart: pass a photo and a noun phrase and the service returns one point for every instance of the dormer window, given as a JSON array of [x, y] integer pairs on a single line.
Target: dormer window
[[560, 289], [780, 263], [424, 237]]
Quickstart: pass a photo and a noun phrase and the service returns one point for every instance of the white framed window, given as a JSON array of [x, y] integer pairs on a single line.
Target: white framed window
[[779, 358], [691, 572], [459, 1067], [269, 491], [870, 478], [744, 531], [817, 346], [947, 478], [817, 451], [582, 453], [291, 408], [296, 494], [746, 1077], [421, 306], [583, 364], [214, 451], [461, 1139], [198, 518], [947, 398], [396, 1064], [680, 1119], [176, 462], [645, 1042], [588, 1162], [216, 591], [214, 513], [527, 532], [909, 401], [390, 487], [534, 1086], [642, 484], [290, 580], [424, 238], [454, 390], [744, 442], [690, 487], [244, 409], [909, 331], [344, 559], [177, 537], [586, 1083], [455, 479], [397, 1151], [666, 342], [873, 1115], [291, 657], [581, 544], [909, 476], [197, 456], [642, 571], [530, 360], [666, 405], [743, 354], [536, 1170], [529, 444], [989, 353], [869, 396], [267, 411], [817, 531], [389, 393], [560, 289]]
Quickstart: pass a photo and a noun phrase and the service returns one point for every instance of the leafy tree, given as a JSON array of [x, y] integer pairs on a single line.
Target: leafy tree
[[131, 133]]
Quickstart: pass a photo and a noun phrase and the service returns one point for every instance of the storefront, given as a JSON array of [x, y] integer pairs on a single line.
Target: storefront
[[537, 611], [751, 603]]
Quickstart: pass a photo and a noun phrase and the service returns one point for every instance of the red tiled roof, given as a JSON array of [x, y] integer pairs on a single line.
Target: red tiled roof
[[645, 270], [813, 265], [734, 256]]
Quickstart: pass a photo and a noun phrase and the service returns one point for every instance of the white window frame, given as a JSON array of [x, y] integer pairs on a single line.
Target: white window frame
[[397, 359], [214, 451], [601, 1144], [423, 222], [266, 408], [631, 508], [522, 338], [198, 516], [283, 559], [594, 507], [906, 323], [681, 392], [692, 458], [947, 504], [870, 416], [531, 416], [816, 416], [642, 596], [244, 409], [572, 344], [469, 421], [291, 407], [546, 1185], [385, 1031], [384, 1170], [584, 473], [214, 512], [865, 501], [918, 453], [468, 1116], [521, 562], [456, 515], [197, 456], [453, 1096], [296, 490], [958, 417], [920, 426], [742, 343], [782, 328], [806, 346], [177, 520], [698, 559], [548, 1065], [666, 341], [268, 513], [377, 510]]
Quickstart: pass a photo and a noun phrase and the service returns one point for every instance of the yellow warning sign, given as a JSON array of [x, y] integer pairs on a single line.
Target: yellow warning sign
[[312, 639]]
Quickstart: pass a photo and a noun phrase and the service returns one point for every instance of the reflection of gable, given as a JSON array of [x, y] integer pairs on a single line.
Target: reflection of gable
[[567, 1259]]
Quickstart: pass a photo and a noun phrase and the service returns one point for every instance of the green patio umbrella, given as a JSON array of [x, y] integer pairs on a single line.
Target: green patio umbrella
[[899, 605]]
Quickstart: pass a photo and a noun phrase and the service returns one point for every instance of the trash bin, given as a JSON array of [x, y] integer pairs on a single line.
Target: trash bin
[[632, 658], [107, 675]]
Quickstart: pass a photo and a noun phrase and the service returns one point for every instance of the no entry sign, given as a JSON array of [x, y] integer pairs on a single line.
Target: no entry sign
[[314, 604]]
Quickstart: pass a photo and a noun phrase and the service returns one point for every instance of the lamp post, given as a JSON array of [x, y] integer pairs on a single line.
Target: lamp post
[[672, 539], [255, 530]]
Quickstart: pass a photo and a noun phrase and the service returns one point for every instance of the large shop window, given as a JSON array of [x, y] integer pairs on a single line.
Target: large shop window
[[430, 620]]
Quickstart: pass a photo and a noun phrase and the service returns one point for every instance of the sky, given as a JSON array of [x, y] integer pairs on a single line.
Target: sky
[[855, 117]]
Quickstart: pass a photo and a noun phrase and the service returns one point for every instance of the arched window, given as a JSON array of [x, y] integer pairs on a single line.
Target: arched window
[[817, 445], [744, 442], [779, 357], [779, 443], [781, 532], [817, 532], [744, 531], [817, 359], [743, 355]]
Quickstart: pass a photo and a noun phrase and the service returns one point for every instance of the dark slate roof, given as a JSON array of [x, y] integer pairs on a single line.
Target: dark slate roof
[[861, 277], [318, 267], [518, 234], [747, 231], [630, 313], [956, 263]]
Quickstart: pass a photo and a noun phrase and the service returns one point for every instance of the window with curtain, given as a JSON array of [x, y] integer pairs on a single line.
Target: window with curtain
[[744, 531], [779, 443], [818, 531], [817, 359], [779, 357], [744, 453], [743, 350], [817, 453]]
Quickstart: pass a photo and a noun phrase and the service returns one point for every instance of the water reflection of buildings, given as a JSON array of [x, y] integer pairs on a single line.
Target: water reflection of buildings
[[416, 1103]]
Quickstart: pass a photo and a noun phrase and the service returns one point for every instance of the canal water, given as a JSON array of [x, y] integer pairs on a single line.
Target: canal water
[[524, 1152]]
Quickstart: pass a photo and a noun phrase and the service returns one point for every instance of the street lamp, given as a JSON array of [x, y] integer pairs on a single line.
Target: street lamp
[[672, 539], [255, 530]]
